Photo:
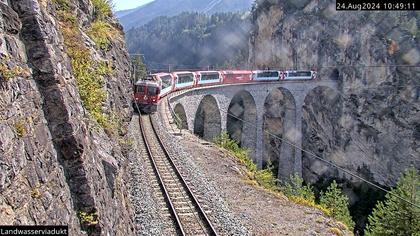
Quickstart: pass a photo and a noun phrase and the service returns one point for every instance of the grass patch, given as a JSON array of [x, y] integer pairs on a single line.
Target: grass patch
[[264, 178], [8, 72], [20, 129], [101, 33], [89, 74], [88, 218], [62, 4], [103, 8], [35, 193]]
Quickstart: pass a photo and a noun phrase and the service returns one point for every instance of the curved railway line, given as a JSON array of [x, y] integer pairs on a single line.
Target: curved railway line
[[185, 215]]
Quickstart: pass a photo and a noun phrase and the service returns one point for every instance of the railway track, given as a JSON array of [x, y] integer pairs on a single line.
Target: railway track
[[182, 210]]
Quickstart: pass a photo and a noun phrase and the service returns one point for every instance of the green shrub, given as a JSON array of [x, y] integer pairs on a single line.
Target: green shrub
[[264, 178], [62, 4], [101, 33], [395, 216], [296, 188], [337, 202], [103, 8], [89, 74], [224, 141]]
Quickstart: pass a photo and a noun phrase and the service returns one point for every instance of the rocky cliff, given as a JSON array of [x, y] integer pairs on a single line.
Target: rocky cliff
[[371, 125], [64, 108]]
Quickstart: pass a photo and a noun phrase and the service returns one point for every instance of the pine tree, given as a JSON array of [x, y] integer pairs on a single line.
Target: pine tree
[[395, 216], [337, 202], [140, 71]]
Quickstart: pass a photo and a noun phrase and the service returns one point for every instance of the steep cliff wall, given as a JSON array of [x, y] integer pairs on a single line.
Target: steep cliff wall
[[371, 125], [64, 108]]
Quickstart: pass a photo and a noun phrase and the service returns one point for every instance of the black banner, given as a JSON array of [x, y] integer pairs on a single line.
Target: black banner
[[377, 5], [34, 230]]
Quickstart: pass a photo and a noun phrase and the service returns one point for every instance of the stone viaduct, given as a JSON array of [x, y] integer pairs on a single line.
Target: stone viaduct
[[204, 111]]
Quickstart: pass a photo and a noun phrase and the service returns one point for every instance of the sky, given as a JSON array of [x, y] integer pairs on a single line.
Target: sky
[[129, 4]]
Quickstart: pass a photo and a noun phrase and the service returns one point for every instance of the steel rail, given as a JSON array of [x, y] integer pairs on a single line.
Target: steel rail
[[200, 210], [160, 180]]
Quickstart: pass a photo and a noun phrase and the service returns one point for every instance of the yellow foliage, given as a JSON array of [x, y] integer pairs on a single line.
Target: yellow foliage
[[7, 72], [302, 201], [102, 8], [88, 218], [35, 193], [20, 129], [101, 33], [336, 231], [89, 74]]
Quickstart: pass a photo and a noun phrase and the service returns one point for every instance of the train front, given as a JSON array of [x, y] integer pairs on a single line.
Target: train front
[[146, 95]]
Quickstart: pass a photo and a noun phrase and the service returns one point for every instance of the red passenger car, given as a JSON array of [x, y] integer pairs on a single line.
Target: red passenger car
[[236, 76]]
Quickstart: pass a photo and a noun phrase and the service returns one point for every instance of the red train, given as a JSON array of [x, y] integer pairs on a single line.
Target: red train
[[147, 93]]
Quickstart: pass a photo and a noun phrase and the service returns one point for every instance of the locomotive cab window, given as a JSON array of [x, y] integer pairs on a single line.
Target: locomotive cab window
[[152, 91], [140, 89]]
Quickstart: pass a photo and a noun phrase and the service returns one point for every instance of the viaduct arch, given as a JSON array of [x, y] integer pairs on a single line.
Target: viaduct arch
[[253, 103]]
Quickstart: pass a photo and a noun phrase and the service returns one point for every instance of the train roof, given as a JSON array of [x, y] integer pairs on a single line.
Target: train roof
[[299, 71], [262, 71], [161, 74], [207, 71], [237, 71], [147, 83], [182, 72]]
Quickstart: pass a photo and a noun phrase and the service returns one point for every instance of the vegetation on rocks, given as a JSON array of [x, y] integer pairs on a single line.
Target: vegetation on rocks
[[395, 216], [101, 33], [102, 8], [20, 129], [7, 72], [88, 218], [89, 73]]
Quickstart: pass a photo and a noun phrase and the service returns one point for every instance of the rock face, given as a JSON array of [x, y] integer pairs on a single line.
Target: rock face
[[371, 126], [57, 165]]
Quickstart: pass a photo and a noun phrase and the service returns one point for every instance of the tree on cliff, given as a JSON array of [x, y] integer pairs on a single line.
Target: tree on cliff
[[395, 216]]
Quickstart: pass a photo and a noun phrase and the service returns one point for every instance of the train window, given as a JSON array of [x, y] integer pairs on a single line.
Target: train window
[[214, 76], [152, 91], [140, 89], [184, 79], [300, 74], [268, 74], [166, 81]]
